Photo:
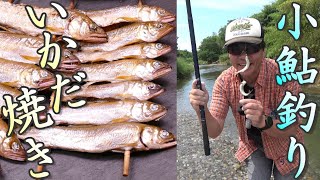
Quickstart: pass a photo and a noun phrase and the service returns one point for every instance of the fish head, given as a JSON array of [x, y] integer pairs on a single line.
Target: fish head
[[81, 27], [69, 62], [153, 137], [145, 111], [152, 31], [37, 78], [152, 111], [153, 50], [146, 90], [149, 69], [12, 148], [158, 68], [154, 13]]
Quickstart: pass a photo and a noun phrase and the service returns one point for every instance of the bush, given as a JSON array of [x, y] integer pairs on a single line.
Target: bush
[[224, 59], [184, 68]]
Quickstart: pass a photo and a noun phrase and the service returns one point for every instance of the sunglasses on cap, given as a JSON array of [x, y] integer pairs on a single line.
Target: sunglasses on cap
[[239, 48]]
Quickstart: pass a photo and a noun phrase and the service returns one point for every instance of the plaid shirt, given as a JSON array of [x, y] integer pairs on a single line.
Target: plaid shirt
[[226, 93]]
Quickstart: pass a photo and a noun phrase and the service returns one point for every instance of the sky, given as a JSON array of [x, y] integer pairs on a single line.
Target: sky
[[210, 15]]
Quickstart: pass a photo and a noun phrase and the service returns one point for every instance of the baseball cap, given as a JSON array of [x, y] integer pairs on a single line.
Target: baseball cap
[[244, 30]]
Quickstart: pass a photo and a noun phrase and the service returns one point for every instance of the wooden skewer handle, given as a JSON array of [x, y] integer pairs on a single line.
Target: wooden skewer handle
[[126, 163], [39, 169]]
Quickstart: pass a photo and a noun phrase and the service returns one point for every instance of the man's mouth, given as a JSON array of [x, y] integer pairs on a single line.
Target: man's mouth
[[244, 64]]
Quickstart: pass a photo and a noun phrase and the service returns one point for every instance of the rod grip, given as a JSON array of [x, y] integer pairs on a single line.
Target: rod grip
[[204, 132]]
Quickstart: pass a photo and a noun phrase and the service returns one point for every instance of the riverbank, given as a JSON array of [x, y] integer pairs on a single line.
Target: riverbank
[[193, 164], [220, 164]]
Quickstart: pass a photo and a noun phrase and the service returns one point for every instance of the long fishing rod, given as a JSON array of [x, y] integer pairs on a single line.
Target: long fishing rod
[[197, 74]]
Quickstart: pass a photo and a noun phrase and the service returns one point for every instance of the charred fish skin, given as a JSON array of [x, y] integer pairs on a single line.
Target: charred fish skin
[[107, 112], [10, 147], [133, 13], [135, 90], [126, 70], [133, 33], [97, 139], [135, 51], [16, 74], [77, 25]]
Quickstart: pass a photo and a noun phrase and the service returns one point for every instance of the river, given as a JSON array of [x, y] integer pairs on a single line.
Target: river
[[209, 74]]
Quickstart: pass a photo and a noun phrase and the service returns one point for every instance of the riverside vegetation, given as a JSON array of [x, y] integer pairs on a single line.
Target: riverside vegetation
[[211, 48]]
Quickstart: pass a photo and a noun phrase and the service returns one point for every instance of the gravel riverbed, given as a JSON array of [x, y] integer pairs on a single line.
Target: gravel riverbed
[[193, 164], [221, 163]]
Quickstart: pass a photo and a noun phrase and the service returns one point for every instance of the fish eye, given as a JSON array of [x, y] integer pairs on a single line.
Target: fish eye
[[159, 25], [161, 11], [15, 146], [44, 73], [93, 26], [159, 46], [164, 134], [154, 107], [157, 64], [152, 86]]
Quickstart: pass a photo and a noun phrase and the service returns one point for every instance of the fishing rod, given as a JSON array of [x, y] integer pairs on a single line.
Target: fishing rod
[[197, 74]]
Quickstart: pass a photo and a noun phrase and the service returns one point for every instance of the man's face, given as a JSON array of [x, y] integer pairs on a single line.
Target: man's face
[[237, 54]]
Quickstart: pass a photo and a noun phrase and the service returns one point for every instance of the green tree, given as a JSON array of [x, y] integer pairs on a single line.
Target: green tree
[[210, 49]]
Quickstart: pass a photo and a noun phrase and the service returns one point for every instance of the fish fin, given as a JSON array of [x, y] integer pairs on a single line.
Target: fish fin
[[124, 78], [130, 57], [11, 84], [128, 19], [87, 84], [9, 29], [30, 58], [81, 125], [118, 151], [52, 99], [53, 29], [119, 120]]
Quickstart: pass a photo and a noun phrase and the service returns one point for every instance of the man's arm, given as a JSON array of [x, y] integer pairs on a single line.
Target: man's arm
[[214, 128], [197, 98]]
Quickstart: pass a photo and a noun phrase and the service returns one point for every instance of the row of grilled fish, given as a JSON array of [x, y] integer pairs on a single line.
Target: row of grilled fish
[[79, 25], [94, 139], [129, 77]]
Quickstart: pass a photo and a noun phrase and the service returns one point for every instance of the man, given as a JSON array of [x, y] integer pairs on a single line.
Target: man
[[261, 144]]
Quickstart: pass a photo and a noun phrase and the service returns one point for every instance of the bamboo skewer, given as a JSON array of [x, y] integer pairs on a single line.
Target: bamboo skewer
[[126, 163], [39, 169]]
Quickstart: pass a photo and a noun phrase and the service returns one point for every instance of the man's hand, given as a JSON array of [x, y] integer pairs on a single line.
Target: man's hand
[[254, 111], [198, 97]]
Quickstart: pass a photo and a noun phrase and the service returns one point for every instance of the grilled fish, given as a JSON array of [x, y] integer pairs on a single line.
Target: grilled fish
[[7, 90], [119, 90], [141, 51], [135, 13], [126, 70], [105, 112], [77, 25], [23, 48], [97, 139], [10, 147], [17, 74], [133, 33]]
